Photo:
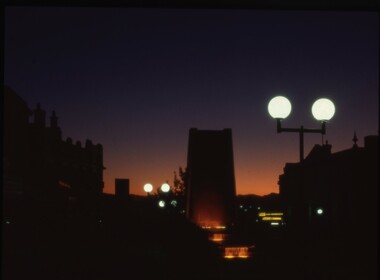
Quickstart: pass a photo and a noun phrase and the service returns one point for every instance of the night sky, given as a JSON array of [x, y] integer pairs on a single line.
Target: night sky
[[136, 80]]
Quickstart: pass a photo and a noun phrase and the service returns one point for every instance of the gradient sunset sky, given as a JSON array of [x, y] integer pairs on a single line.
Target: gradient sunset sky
[[136, 80]]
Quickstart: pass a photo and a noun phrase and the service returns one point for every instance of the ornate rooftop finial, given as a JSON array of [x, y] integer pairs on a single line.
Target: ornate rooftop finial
[[355, 140]]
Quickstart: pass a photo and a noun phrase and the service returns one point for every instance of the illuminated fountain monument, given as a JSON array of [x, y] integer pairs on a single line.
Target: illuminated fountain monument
[[210, 190]]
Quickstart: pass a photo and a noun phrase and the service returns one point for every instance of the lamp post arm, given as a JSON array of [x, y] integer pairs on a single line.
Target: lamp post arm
[[282, 129], [321, 130], [301, 131]]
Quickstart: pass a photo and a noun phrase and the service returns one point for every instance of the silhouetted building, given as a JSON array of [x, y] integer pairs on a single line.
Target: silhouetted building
[[210, 193], [37, 160], [342, 184], [122, 189], [332, 198]]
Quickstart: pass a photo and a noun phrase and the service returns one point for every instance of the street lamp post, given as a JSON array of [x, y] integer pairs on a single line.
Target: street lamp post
[[323, 110]]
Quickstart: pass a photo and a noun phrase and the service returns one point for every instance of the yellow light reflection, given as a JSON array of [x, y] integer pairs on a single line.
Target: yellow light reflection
[[236, 252], [220, 227], [217, 237], [213, 227], [275, 214], [264, 214], [272, 218]]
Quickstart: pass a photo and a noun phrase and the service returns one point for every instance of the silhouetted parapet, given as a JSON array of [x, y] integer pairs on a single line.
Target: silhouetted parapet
[[78, 144], [39, 117], [100, 154], [319, 152], [371, 142], [89, 144], [210, 178], [53, 120], [54, 131]]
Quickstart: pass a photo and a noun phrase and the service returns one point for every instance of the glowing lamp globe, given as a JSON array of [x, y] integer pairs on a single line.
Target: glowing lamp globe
[[323, 109], [319, 211], [279, 107], [165, 187], [148, 188], [161, 203]]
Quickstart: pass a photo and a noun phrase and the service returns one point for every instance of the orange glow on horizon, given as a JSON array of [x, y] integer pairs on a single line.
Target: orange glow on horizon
[[268, 186], [259, 179]]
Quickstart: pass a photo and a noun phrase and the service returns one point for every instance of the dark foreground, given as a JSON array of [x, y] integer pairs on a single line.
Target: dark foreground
[[46, 240]]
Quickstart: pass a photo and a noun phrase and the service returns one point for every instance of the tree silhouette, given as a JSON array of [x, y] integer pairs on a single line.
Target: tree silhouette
[[179, 183]]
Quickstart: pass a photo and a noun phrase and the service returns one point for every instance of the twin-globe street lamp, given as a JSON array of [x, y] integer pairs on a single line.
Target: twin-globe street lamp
[[323, 110], [165, 188]]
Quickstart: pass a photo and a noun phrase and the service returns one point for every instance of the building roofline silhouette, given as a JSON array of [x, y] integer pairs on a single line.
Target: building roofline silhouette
[[38, 161]]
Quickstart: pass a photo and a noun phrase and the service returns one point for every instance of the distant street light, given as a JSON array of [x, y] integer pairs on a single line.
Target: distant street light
[[319, 211], [161, 203], [148, 188], [163, 195], [323, 110], [165, 187], [279, 107]]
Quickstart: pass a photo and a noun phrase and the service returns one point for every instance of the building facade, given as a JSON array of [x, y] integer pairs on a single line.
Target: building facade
[[37, 160], [341, 184], [210, 192], [331, 201]]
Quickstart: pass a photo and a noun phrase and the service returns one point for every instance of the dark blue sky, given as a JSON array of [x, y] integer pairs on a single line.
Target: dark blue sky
[[135, 80]]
